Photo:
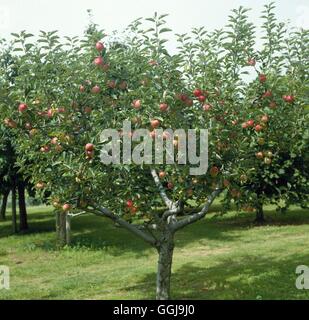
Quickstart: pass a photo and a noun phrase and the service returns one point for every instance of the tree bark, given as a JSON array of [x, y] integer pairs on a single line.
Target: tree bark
[[165, 250], [14, 217], [23, 221], [4, 205], [61, 229], [259, 214]]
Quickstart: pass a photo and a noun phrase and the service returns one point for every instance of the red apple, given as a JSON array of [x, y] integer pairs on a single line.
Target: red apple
[[163, 107], [244, 125], [133, 210], [45, 149], [22, 107], [88, 109], [250, 123], [99, 46], [89, 147], [251, 62], [98, 61], [136, 104], [50, 113], [96, 89], [262, 77], [259, 155], [214, 171], [207, 107], [201, 98], [267, 94], [162, 174], [81, 88], [54, 141], [130, 203], [288, 98], [258, 128], [197, 92], [155, 123], [66, 207], [265, 118]]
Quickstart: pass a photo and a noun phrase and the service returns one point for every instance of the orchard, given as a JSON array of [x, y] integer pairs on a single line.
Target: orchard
[[58, 96]]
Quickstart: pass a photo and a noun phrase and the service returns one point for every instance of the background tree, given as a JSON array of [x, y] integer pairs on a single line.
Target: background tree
[[10, 177]]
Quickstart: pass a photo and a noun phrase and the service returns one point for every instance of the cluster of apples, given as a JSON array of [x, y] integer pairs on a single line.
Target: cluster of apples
[[266, 156], [131, 206], [256, 126], [201, 95]]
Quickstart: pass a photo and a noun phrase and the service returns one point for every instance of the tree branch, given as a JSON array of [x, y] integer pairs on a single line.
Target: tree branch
[[174, 211], [197, 216], [73, 215], [165, 198], [104, 212]]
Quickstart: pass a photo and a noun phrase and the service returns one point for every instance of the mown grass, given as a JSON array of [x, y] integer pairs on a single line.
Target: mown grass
[[221, 257]]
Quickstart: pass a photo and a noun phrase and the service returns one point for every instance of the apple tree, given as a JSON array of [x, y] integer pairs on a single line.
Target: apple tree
[[266, 94], [66, 94]]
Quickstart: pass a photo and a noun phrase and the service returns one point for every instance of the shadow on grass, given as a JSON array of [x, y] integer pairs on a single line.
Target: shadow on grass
[[96, 233], [40, 222], [247, 278]]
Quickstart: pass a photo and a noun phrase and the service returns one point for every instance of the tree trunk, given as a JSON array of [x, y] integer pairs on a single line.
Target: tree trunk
[[61, 229], [259, 214], [14, 218], [23, 223], [165, 251], [68, 228], [4, 205]]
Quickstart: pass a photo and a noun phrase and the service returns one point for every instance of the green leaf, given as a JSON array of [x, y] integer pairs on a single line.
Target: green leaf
[[165, 30]]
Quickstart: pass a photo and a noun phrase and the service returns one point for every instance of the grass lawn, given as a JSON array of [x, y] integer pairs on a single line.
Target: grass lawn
[[221, 257]]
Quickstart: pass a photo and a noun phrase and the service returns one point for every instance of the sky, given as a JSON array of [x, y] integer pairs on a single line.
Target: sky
[[70, 16]]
